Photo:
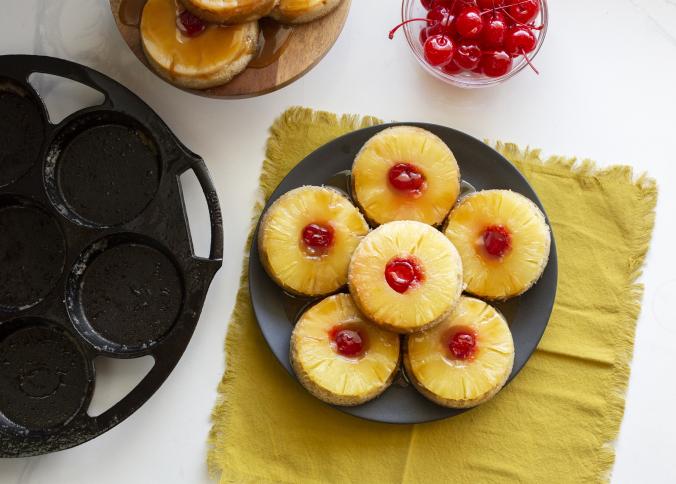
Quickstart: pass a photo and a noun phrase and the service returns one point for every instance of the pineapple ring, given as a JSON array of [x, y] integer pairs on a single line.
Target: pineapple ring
[[459, 383], [383, 203], [522, 264], [280, 240], [422, 305], [331, 377]]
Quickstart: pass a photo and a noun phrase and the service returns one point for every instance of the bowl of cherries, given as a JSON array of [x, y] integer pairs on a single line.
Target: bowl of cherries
[[474, 43]]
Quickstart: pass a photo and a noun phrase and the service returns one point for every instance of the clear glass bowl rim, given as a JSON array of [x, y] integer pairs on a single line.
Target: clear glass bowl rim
[[470, 82]]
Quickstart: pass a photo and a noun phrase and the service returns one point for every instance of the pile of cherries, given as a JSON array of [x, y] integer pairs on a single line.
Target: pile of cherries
[[482, 36]]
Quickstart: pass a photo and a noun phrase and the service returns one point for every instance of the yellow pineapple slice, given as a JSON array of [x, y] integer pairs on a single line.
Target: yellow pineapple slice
[[406, 173], [503, 240], [463, 361], [307, 237], [405, 276], [339, 356]]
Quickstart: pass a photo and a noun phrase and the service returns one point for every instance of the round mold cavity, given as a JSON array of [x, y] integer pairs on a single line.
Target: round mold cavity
[[103, 169], [32, 253], [124, 294], [22, 130], [46, 378]]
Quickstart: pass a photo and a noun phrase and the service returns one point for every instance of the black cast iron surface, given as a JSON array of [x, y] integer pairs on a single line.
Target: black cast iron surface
[[481, 168], [96, 257]]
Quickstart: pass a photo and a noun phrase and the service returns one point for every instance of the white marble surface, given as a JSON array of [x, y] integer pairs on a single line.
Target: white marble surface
[[607, 92]]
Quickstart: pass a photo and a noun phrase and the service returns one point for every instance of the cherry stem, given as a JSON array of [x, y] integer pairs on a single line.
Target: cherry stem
[[520, 24], [391, 35], [528, 61], [503, 7]]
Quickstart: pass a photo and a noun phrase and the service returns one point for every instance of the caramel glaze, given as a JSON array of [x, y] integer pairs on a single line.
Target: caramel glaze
[[274, 37], [274, 40], [199, 55]]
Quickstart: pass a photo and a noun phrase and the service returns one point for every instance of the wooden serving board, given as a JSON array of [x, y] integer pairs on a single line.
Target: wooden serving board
[[305, 46]]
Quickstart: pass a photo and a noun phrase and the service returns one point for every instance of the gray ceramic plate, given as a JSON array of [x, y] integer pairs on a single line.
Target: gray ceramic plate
[[482, 168]]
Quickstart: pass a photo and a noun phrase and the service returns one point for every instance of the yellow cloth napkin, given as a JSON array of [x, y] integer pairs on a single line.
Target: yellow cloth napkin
[[555, 422]]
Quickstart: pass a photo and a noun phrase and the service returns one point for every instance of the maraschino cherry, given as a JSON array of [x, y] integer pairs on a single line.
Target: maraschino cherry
[[495, 63], [189, 24], [317, 238], [402, 273], [439, 14], [349, 342], [452, 67], [497, 240], [524, 11], [442, 21], [438, 47], [439, 50], [462, 345], [495, 28], [469, 23], [467, 54], [424, 33], [520, 40], [406, 177], [489, 4]]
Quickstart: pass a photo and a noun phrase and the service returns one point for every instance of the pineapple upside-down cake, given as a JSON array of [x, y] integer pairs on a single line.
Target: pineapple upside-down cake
[[503, 240], [306, 240], [405, 173], [341, 357], [405, 276], [463, 361]]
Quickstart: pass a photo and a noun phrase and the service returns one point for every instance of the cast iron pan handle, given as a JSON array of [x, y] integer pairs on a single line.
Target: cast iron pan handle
[[215, 215], [70, 70]]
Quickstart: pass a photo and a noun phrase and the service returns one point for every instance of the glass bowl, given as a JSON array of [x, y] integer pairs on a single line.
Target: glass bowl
[[467, 79]]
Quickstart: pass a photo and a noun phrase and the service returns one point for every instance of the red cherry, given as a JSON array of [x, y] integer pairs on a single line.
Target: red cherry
[[524, 11], [403, 273], [463, 345], [442, 28], [438, 13], [468, 23], [423, 35], [467, 55], [438, 50], [449, 4], [520, 40], [451, 68], [349, 342], [317, 237], [489, 4], [494, 30], [497, 240], [427, 4], [442, 21], [189, 24], [406, 177], [496, 63]]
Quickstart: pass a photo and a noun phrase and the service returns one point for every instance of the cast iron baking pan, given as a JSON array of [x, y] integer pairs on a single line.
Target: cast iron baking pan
[[481, 168], [96, 257]]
